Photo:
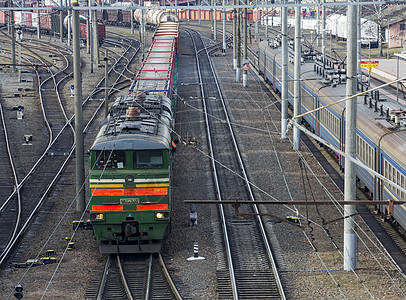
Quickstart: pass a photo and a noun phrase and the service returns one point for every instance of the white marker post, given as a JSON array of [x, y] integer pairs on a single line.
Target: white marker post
[[195, 253]]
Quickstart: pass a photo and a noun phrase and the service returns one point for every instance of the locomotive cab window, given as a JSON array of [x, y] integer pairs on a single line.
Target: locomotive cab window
[[110, 159], [148, 159]]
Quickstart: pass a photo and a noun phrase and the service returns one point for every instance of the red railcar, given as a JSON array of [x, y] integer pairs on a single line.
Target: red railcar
[[101, 30], [3, 17], [126, 17]]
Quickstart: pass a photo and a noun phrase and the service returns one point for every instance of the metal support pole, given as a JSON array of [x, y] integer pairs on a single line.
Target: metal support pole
[[188, 12], [397, 78], [176, 4], [69, 24], [234, 36], [61, 23], [266, 21], [380, 30], [245, 70], [13, 38], [142, 31], [224, 30], [90, 38], [285, 78], [238, 71], [323, 38], [387, 42], [359, 71], [38, 22], [215, 24], [95, 35], [318, 23], [256, 20], [9, 19], [80, 170], [200, 13], [297, 69], [88, 31], [211, 19], [106, 92], [132, 22], [19, 39], [19, 62], [350, 141]]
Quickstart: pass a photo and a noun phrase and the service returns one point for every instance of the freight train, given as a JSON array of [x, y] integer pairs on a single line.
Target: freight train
[[49, 23], [131, 157], [381, 135]]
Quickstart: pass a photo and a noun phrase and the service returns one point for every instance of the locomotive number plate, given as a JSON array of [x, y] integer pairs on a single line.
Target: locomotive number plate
[[130, 201]]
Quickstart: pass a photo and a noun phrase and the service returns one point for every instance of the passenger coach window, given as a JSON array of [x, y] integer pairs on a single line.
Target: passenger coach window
[[110, 159], [148, 159]]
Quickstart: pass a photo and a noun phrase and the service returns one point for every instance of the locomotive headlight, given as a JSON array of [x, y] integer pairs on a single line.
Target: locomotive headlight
[[162, 215], [97, 216]]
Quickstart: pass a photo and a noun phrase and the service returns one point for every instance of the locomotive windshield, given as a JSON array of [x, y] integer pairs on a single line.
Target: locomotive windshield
[[148, 159], [110, 159]]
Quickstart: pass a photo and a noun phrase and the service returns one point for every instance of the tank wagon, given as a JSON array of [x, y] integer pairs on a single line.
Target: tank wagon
[[131, 157], [381, 135], [155, 16]]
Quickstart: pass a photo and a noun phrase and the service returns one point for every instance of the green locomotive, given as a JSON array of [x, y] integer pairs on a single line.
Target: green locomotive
[[130, 179], [131, 158]]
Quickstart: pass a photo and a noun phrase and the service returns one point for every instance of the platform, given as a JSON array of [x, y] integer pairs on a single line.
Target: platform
[[389, 70]]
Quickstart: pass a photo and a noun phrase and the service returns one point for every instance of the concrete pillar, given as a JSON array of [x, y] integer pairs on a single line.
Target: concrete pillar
[[297, 69], [350, 141], [80, 171]]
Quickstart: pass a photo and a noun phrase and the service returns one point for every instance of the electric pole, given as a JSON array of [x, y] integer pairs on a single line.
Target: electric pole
[[80, 170], [285, 78], [297, 69], [350, 141]]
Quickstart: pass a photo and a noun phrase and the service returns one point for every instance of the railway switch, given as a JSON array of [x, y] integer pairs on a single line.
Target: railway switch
[[18, 291]]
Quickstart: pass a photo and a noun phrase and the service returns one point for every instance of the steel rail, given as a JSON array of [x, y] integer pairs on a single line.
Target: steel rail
[[11, 160], [149, 275], [240, 161], [124, 279], [104, 279], [169, 278], [213, 164], [15, 235], [23, 181], [20, 185], [7, 251], [259, 219]]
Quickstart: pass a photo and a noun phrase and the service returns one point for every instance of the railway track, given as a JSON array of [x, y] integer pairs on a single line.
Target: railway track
[[133, 277], [249, 258], [37, 184]]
